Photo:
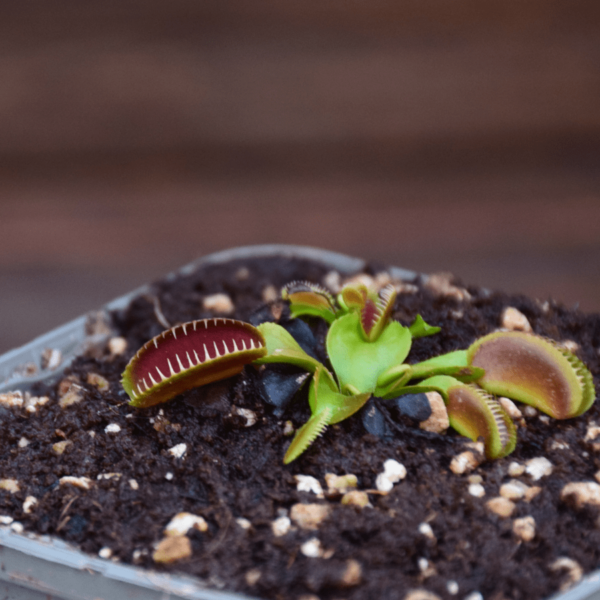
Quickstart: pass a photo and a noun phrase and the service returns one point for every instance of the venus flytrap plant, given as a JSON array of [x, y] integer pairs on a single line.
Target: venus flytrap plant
[[367, 350]]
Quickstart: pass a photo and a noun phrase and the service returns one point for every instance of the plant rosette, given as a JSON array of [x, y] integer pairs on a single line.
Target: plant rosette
[[287, 439]]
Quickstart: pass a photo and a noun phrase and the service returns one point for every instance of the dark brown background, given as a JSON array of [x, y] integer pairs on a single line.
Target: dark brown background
[[435, 135]]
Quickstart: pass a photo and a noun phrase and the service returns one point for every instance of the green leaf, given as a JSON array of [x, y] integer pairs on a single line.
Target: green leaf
[[454, 364], [309, 299], [322, 395], [307, 434], [420, 328], [359, 363]]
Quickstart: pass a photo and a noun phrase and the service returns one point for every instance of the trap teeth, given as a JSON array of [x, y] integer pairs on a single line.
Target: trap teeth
[[221, 347]]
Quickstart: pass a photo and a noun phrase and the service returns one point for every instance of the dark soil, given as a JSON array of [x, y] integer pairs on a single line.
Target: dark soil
[[231, 471]]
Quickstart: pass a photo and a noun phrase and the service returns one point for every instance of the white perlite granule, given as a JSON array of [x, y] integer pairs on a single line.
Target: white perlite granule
[[112, 428], [178, 451], [477, 490], [281, 526], [393, 471], [182, 522], [306, 483], [312, 548], [539, 467]]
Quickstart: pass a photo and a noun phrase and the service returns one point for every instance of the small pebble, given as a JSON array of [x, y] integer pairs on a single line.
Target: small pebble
[[570, 345], [477, 490], [307, 483], [133, 484], [393, 472], [252, 576], [581, 493], [475, 479], [29, 503], [270, 294], [426, 568], [474, 596], [172, 548], [105, 552], [23, 442], [356, 498], [309, 516], [73, 396], [510, 407], [573, 569], [438, 421], [513, 490], [514, 320], [17, 527], [11, 399], [248, 415], [108, 476], [117, 345], [10, 485], [288, 429], [515, 469], [312, 548], [178, 451], [452, 588], [98, 381], [138, 554], [169, 476], [501, 506], [112, 428], [592, 432], [529, 411], [243, 523], [281, 526], [524, 528], [219, 303], [5, 520], [340, 484], [425, 529], [440, 285], [352, 574], [539, 467], [182, 522], [32, 402], [465, 462], [60, 447], [51, 358], [545, 419], [83, 483]]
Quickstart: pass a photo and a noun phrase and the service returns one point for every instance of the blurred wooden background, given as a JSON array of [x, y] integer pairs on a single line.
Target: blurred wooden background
[[136, 136]]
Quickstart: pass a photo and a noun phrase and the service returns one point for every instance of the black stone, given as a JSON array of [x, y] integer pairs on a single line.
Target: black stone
[[280, 384], [374, 421], [415, 406], [303, 334]]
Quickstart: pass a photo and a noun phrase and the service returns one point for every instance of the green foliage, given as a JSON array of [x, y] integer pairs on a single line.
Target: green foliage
[[367, 350]]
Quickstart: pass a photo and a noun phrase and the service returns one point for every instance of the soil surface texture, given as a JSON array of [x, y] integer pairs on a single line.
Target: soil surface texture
[[216, 452]]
